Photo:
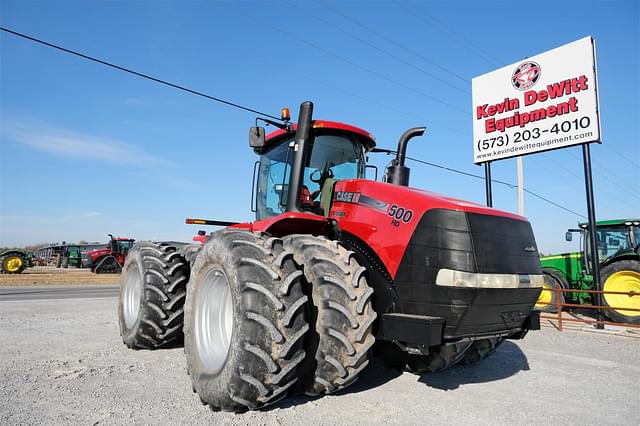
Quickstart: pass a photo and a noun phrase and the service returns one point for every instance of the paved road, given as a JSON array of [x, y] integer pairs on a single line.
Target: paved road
[[63, 362], [61, 292]]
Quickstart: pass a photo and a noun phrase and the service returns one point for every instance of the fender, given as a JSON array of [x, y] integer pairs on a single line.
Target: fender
[[629, 255], [292, 223]]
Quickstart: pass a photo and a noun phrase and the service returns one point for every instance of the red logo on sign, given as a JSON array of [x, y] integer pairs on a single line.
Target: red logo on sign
[[526, 75]]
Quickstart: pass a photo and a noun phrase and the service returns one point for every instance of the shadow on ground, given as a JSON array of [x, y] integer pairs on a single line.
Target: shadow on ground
[[508, 361]]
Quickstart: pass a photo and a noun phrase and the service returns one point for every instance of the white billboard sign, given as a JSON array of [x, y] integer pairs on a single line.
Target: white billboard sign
[[545, 102]]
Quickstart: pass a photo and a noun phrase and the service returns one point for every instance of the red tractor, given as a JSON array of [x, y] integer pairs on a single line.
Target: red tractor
[[108, 259], [333, 263]]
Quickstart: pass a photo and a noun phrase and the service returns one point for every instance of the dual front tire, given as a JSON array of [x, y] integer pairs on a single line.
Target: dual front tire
[[262, 316], [246, 321]]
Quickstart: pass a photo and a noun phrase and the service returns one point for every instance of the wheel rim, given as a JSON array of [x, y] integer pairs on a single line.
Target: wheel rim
[[13, 263], [624, 281], [131, 297], [545, 296], [213, 320]]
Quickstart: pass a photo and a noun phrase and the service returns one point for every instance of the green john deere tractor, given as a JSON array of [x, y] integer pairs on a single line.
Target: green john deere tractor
[[14, 261], [618, 245]]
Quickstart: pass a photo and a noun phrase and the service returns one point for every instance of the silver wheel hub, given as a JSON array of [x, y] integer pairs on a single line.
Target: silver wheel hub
[[213, 315], [131, 296]]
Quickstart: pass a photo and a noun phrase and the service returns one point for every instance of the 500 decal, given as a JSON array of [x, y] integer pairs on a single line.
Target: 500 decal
[[400, 213]]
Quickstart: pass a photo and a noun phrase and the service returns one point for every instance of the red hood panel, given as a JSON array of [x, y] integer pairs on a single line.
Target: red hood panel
[[385, 216]]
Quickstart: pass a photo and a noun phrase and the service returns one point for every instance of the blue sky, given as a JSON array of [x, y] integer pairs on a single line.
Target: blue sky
[[87, 150]]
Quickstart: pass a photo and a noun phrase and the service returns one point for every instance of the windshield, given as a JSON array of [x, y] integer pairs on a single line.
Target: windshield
[[332, 156], [124, 245], [612, 240]]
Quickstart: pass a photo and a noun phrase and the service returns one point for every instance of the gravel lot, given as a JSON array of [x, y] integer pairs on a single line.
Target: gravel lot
[[62, 361]]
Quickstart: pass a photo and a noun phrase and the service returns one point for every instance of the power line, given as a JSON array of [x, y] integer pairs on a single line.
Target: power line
[[396, 57], [501, 182], [604, 175], [395, 43], [465, 43], [566, 170], [176, 86], [139, 74], [359, 66]]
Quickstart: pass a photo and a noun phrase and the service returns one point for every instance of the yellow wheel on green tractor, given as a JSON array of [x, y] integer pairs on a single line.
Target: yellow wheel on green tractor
[[548, 299], [12, 264], [545, 296], [624, 277]]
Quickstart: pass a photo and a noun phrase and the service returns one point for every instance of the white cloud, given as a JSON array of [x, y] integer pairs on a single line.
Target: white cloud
[[53, 140]]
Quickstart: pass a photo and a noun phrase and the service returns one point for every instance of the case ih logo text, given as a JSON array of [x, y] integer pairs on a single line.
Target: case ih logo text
[[526, 75], [347, 197]]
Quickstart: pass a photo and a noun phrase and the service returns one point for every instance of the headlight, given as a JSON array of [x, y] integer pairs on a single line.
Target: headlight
[[452, 278]]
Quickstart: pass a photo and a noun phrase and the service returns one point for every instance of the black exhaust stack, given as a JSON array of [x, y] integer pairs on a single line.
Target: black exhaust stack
[[397, 172], [302, 140]]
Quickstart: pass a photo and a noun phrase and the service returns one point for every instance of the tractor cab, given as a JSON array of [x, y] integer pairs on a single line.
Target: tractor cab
[[120, 245], [335, 151], [613, 238]]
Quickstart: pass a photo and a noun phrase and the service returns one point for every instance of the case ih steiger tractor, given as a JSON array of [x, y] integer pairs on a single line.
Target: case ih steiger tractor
[[618, 244], [333, 263], [109, 259]]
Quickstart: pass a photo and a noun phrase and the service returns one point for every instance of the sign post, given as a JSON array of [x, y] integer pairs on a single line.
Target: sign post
[[546, 102]]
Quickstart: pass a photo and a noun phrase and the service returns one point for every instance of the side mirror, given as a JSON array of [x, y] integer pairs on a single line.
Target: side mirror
[[256, 138], [568, 236]]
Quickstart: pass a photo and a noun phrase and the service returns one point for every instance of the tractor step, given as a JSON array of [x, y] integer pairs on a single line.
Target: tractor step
[[407, 328]]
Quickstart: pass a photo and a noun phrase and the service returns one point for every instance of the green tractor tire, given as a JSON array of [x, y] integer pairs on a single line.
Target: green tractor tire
[[13, 263], [622, 276], [548, 299]]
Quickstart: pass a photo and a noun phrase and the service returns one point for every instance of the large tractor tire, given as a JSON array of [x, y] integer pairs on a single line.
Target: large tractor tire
[[13, 263], [152, 294], [245, 321], [439, 358], [342, 313], [548, 299], [481, 349], [623, 276]]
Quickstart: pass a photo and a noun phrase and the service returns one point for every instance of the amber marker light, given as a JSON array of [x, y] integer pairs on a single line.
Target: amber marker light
[[285, 115]]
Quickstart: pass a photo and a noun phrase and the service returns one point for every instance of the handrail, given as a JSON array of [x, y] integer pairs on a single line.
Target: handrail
[[559, 307]]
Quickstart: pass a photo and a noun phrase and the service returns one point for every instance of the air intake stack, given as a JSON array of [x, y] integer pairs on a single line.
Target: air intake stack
[[397, 173]]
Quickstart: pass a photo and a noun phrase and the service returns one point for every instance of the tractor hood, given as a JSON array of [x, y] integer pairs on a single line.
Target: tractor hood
[[390, 217]]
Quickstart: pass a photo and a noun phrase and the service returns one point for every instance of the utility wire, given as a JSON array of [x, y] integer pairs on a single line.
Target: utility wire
[[176, 86], [139, 74], [469, 45], [395, 43], [465, 43], [386, 52], [604, 175], [501, 182], [473, 175], [572, 173], [359, 66]]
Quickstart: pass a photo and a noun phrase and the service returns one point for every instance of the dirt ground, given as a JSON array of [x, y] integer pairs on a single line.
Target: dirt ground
[[64, 363], [49, 275]]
